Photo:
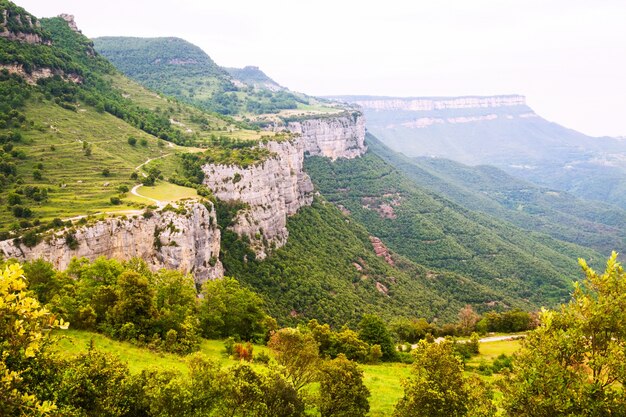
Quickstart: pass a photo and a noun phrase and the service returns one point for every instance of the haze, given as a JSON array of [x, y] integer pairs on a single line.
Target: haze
[[567, 56]]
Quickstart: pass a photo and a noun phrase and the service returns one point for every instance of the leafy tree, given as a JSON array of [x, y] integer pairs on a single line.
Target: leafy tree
[[134, 302], [468, 319], [94, 383], [373, 330], [437, 386], [22, 345], [228, 309], [573, 364], [342, 392], [298, 353]]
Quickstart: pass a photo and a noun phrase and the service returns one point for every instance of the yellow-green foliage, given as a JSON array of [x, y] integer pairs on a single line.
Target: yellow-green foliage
[[22, 325]]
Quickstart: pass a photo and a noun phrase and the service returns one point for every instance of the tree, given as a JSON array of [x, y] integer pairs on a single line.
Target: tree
[[573, 363], [134, 302], [468, 319], [228, 309], [22, 344], [373, 330], [298, 353], [342, 392], [437, 387]]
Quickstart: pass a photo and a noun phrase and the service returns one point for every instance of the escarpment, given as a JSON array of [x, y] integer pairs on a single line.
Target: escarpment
[[186, 238], [274, 189], [333, 137], [271, 190]]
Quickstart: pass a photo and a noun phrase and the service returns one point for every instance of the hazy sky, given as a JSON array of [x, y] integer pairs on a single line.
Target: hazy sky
[[567, 56]]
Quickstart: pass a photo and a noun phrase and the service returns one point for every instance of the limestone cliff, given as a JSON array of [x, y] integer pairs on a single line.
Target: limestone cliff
[[276, 188], [333, 136], [17, 25], [185, 239], [272, 190], [427, 104]]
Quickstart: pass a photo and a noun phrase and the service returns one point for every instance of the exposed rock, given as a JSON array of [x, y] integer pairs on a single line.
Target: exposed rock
[[382, 288], [357, 266], [70, 21], [332, 137], [38, 73], [427, 104], [188, 241], [28, 29], [381, 250], [273, 190]]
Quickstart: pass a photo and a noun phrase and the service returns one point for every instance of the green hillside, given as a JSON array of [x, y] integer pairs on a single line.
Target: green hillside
[[438, 233], [492, 191], [72, 141], [180, 69], [254, 77], [328, 270]]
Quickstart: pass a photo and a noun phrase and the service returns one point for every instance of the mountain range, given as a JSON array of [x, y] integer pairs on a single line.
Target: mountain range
[[125, 147]]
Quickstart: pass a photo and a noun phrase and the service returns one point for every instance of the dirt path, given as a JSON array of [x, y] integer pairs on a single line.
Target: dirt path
[[138, 167], [133, 191], [487, 339]]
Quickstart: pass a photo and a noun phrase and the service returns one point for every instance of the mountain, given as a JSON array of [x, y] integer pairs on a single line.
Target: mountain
[[502, 131], [180, 69], [254, 77], [95, 164], [492, 191], [431, 230]]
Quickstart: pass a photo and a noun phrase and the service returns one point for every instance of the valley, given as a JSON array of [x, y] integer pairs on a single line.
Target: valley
[[182, 238]]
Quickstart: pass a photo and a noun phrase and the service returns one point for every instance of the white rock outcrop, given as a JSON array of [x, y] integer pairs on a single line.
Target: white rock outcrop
[[276, 188], [187, 240], [272, 190], [333, 136], [427, 104]]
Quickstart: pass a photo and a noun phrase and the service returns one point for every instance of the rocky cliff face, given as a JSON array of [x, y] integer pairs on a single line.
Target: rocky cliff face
[[427, 104], [272, 191], [332, 137], [25, 27], [187, 239], [276, 188]]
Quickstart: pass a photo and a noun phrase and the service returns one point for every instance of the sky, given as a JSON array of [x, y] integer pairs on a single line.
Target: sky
[[568, 57]]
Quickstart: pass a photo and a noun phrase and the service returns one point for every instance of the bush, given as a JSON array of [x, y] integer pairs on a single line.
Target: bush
[[106, 172], [132, 141], [116, 201]]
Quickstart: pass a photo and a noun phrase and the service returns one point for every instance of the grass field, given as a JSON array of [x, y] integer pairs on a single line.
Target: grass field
[[164, 192], [383, 380]]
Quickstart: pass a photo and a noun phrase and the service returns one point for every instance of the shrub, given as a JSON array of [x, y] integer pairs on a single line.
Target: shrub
[[132, 141]]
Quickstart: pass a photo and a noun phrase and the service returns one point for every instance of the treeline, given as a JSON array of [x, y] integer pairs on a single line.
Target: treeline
[[572, 364], [158, 310], [38, 381]]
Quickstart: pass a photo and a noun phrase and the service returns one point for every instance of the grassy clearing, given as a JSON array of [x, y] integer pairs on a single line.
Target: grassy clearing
[[383, 380], [384, 383], [163, 191], [491, 350]]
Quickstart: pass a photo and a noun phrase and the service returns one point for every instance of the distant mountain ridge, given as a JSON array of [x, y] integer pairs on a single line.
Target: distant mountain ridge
[[183, 70], [254, 77], [502, 131]]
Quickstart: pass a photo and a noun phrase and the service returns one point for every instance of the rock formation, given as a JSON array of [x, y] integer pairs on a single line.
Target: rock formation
[[427, 104], [70, 21], [272, 190], [333, 137], [186, 239], [29, 28], [277, 187]]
